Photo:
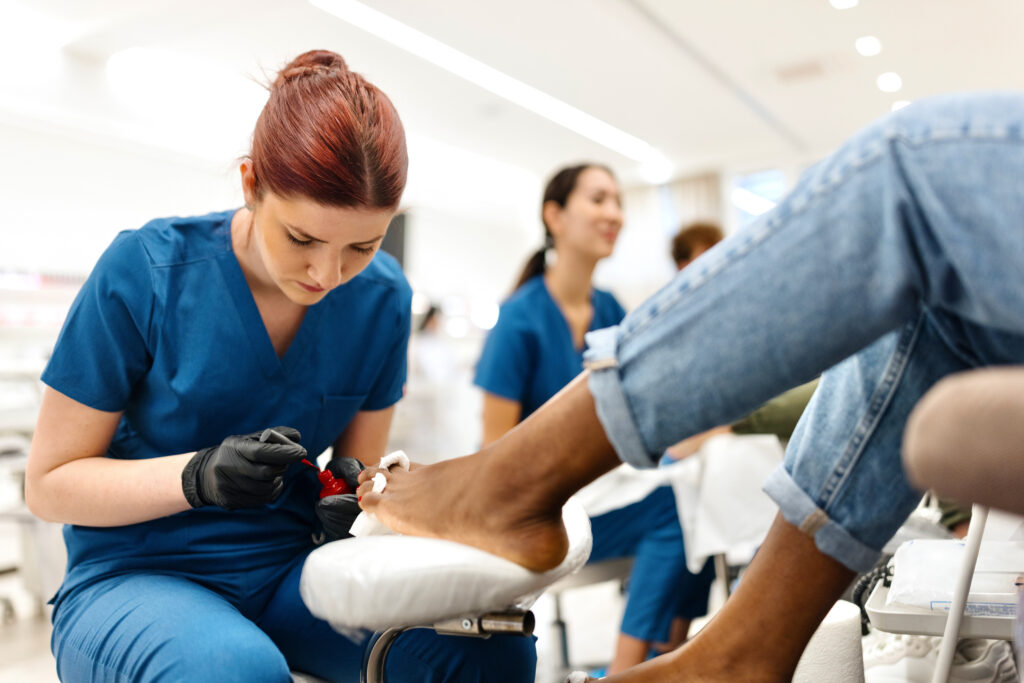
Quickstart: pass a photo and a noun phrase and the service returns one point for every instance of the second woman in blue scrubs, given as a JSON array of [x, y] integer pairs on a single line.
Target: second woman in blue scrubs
[[536, 348], [186, 531]]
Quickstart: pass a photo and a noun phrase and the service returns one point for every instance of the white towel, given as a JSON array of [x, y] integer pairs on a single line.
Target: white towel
[[367, 524]]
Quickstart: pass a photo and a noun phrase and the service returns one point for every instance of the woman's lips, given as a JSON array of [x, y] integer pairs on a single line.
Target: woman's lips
[[310, 288]]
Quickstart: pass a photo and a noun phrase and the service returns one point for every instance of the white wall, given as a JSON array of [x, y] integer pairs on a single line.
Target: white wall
[[64, 195]]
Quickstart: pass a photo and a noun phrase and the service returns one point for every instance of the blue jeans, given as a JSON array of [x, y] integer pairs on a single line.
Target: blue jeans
[[251, 626], [894, 262], [661, 588]]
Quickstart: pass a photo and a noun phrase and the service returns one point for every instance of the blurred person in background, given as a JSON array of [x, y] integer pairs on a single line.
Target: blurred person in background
[[431, 421], [188, 521], [536, 348], [692, 240]]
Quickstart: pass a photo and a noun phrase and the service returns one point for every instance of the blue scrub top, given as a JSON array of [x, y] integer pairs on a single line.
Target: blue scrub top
[[529, 355], [166, 330]]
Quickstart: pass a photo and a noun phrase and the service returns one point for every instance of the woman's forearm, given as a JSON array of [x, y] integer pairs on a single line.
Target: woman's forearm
[[102, 491]]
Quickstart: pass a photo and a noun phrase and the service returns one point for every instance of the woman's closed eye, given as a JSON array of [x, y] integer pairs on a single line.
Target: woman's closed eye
[[296, 240]]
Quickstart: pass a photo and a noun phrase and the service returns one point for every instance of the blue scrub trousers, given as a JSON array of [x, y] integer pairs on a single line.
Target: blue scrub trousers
[[248, 627], [661, 588]]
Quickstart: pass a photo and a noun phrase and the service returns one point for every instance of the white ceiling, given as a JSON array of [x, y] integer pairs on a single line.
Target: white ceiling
[[711, 84]]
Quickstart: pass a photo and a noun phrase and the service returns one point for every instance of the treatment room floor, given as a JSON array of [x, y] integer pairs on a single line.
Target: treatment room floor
[[592, 613]]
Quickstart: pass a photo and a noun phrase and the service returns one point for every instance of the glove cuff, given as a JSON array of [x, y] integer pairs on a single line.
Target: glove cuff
[[190, 479]]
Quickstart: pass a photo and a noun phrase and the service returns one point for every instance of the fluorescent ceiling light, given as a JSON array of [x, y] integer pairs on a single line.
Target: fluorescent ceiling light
[[489, 78], [843, 4], [751, 203], [890, 82], [868, 46]]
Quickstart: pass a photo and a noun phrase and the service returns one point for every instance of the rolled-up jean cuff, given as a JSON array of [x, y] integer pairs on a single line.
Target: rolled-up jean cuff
[[610, 399], [800, 511]]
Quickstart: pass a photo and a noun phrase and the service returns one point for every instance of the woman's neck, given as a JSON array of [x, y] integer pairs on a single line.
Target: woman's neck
[[568, 279], [244, 246]]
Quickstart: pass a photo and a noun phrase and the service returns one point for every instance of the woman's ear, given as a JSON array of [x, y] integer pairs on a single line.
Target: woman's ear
[[551, 212], [248, 175]]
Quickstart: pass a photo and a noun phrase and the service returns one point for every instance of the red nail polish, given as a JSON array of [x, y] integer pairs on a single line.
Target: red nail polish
[[329, 485]]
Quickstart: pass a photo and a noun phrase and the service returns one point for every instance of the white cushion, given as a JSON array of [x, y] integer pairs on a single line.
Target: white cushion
[[376, 582]]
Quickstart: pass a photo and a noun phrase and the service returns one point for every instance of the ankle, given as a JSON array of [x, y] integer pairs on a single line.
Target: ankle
[[727, 658], [501, 472]]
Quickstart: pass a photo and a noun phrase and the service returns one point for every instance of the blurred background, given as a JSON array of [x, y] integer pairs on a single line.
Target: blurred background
[[113, 112]]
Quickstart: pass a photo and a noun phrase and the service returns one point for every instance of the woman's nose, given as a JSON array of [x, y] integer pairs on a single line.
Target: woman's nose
[[328, 271], [614, 212]]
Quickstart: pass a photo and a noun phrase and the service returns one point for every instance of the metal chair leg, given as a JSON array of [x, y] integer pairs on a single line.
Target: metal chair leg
[[373, 665], [512, 622]]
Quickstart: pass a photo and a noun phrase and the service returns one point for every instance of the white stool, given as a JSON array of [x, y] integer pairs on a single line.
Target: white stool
[[391, 584]]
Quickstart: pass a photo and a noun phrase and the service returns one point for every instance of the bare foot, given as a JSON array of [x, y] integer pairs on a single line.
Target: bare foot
[[507, 499], [481, 506]]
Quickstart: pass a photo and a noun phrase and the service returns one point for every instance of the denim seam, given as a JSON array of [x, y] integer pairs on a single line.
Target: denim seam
[[800, 510], [955, 134], [880, 400]]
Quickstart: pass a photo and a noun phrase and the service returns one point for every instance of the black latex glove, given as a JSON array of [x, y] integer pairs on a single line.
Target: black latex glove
[[347, 469], [243, 471], [336, 514]]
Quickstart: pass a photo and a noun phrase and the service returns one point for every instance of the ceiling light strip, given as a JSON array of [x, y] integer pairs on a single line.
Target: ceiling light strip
[[489, 78]]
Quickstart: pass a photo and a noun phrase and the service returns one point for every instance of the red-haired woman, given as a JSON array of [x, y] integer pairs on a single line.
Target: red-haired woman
[[186, 530]]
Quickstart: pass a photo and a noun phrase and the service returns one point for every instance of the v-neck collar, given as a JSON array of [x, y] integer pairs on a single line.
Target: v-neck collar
[[252, 322], [565, 320]]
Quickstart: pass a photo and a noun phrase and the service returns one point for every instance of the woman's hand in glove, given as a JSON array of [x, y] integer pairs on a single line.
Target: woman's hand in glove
[[336, 514], [243, 471]]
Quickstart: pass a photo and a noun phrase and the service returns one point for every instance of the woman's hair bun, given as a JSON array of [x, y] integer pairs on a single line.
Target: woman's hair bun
[[311, 63]]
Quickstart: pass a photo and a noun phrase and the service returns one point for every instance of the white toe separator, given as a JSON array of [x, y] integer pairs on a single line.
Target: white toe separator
[[396, 458], [367, 524]]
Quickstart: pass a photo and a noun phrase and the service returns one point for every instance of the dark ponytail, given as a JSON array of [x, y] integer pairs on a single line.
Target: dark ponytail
[[558, 190], [535, 265]]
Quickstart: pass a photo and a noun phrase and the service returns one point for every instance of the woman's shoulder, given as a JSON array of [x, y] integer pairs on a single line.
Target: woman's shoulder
[[523, 308], [384, 271], [604, 295], [607, 309], [178, 240], [526, 295], [605, 298]]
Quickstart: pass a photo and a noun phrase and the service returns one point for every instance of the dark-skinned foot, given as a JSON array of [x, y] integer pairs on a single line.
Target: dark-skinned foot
[[462, 501]]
